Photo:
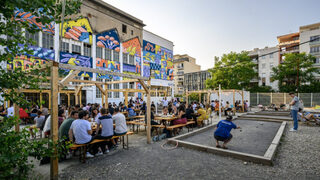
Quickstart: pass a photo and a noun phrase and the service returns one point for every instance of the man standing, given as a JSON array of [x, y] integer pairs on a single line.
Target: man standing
[[295, 103]]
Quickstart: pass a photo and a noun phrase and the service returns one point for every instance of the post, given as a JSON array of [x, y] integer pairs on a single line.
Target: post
[[102, 101], [187, 99], [76, 96], [80, 97], [40, 101], [49, 100], [17, 115], [126, 99], [285, 98], [242, 101], [208, 97], [234, 98], [311, 99], [258, 98], [148, 113], [106, 96], [219, 102], [68, 94], [199, 97], [54, 118], [271, 97]]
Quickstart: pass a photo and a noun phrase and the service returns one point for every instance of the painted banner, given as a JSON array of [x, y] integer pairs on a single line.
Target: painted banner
[[24, 62], [78, 30], [133, 48], [76, 60], [108, 65], [108, 39]]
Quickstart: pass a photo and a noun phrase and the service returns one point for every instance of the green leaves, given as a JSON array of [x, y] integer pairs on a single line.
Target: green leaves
[[295, 72], [232, 71]]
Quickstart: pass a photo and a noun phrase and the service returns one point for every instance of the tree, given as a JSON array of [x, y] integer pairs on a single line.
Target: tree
[[232, 71], [295, 72], [16, 147]]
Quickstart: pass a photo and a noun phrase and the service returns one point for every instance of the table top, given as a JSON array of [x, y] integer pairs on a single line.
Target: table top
[[165, 118]]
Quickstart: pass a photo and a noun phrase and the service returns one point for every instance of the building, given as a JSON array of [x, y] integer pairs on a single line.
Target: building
[[288, 43], [183, 64], [195, 81], [104, 38], [311, 33], [254, 55]]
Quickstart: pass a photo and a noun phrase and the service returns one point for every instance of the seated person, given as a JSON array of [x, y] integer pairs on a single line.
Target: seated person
[[120, 120], [203, 115], [227, 108], [39, 119], [107, 129], [182, 118], [165, 111], [81, 130], [65, 126], [222, 132], [131, 112]]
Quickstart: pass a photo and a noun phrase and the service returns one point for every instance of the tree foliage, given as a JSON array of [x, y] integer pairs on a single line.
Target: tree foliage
[[16, 147], [232, 71], [295, 73]]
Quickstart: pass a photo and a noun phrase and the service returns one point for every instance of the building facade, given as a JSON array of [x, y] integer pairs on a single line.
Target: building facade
[[103, 38], [183, 64], [196, 80], [311, 35], [288, 43]]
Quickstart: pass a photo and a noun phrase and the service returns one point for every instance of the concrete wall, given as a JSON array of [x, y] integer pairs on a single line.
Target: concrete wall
[[228, 96]]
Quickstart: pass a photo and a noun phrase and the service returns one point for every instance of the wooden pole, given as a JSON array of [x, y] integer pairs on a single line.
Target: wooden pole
[[102, 100], [187, 99], [68, 94], [199, 97], [49, 100], [41, 101], [149, 113], [219, 102], [234, 99], [76, 95], [80, 97], [54, 119], [126, 99], [208, 98], [17, 115], [106, 96], [242, 101]]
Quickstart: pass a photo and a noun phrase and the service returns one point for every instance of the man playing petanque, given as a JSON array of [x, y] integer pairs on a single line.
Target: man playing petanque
[[222, 132]]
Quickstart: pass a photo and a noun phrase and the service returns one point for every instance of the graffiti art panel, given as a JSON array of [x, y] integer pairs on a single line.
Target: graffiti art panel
[[39, 52], [20, 15], [109, 40], [78, 30], [133, 48], [108, 65], [24, 62], [76, 60]]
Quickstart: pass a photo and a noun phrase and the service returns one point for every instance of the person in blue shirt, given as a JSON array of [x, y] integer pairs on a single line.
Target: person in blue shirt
[[222, 132], [131, 112]]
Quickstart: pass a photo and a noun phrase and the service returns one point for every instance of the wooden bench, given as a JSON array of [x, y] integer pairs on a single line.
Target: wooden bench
[[175, 127], [83, 147], [140, 123]]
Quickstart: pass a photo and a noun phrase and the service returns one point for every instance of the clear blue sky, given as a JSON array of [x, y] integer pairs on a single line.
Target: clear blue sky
[[207, 28]]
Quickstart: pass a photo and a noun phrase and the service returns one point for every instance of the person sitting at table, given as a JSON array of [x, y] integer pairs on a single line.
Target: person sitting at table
[[81, 130], [105, 120], [120, 120], [61, 116], [203, 116], [110, 108], [39, 119], [123, 107], [131, 112], [23, 115], [222, 132], [34, 111], [143, 108], [95, 114], [182, 118], [152, 105], [165, 111], [227, 108]]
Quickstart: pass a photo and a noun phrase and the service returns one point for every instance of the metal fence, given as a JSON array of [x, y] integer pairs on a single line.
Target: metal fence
[[266, 99]]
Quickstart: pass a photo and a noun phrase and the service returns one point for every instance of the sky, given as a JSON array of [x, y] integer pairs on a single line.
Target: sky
[[207, 28]]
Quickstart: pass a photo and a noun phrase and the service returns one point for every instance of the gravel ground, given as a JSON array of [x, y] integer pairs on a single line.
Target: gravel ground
[[254, 137], [297, 158]]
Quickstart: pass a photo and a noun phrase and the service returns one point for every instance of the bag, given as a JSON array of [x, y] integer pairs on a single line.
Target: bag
[[180, 121]]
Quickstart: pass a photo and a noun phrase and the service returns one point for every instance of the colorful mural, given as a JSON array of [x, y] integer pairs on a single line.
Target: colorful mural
[[108, 65], [133, 47], [77, 60], [24, 62], [20, 15], [108, 39], [39, 52], [79, 30], [158, 59]]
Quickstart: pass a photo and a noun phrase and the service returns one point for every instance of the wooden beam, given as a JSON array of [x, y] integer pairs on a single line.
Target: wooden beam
[[69, 77], [187, 99], [123, 81], [145, 87], [39, 67], [126, 99], [54, 119], [126, 90], [101, 89], [71, 67], [148, 114]]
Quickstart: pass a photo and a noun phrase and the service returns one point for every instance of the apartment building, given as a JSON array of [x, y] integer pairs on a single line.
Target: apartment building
[[195, 81], [288, 43], [105, 38], [183, 64], [311, 33]]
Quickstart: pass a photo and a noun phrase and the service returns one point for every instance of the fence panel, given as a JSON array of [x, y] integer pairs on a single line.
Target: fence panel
[[265, 99], [253, 99], [277, 98], [315, 99], [306, 98]]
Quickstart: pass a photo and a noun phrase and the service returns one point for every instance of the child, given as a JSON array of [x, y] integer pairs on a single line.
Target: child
[[222, 132]]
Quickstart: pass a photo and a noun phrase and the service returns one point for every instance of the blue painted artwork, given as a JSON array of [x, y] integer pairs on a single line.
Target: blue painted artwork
[[76, 60]]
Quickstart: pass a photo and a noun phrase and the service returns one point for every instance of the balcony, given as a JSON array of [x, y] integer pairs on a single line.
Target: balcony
[[314, 43], [315, 53]]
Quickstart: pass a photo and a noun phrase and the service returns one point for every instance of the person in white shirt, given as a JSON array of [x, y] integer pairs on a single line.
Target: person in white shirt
[[10, 111], [120, 120], [165, 102], [81, 130]]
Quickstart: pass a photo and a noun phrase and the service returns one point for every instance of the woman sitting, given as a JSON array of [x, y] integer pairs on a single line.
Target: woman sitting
[[182, 118], [203, 116]]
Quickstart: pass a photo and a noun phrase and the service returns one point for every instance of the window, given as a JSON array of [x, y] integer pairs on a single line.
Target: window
[[87, 50], [125, 58], [271, 55], [47, 41], [65, 47], [315, 38], [107, 54], [131, 59], [317, 60], [124, 28], [109, 93], [132, 32], [76, 83], [33, 37], [263, 56], [115, 56], [76, 49], [296, 38], [271, 65], [125, 86], [98, 93], [116, 94], [263, 65], [131, 86], [99, 52], [314, 49]]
